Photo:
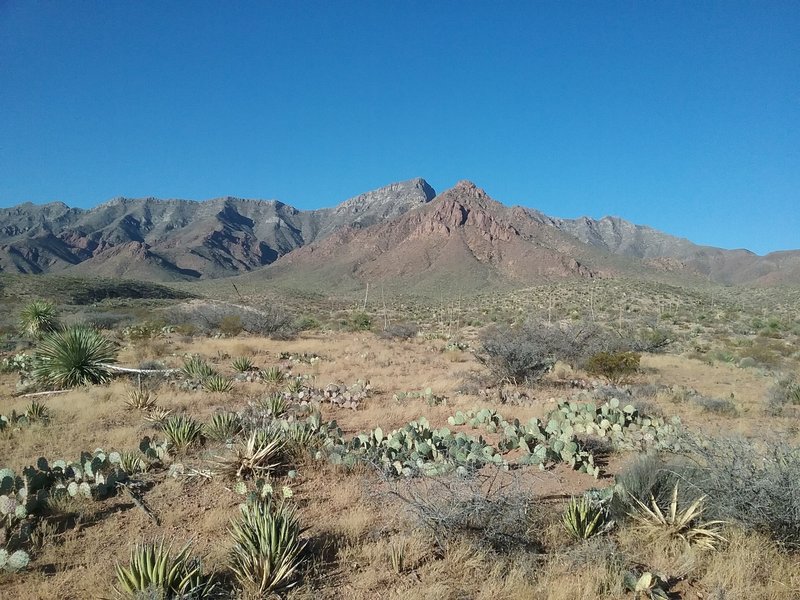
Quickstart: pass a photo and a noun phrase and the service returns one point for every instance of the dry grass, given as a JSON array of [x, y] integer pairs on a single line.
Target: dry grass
[[352, 520]]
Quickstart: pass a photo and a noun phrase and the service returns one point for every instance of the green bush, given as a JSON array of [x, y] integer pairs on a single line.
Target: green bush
[[231, 325], [359, 321]]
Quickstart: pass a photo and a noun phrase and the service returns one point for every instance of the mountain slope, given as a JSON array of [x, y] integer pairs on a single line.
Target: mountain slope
[[169, 240], [660, 250], [461, 240]]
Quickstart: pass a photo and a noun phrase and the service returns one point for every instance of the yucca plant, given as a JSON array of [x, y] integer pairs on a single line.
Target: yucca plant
[[261, 453], [584, 517], [242, 364], [223, 426], [154, 572], [140, 397], [217, 383], [37, 411], [197, 368], [74, 356], [272, 375], [683, 524], [38, 318], [181, 432], [267, 549]]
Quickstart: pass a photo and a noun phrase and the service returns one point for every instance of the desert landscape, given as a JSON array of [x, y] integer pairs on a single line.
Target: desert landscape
[[616, 430], [399, 300]]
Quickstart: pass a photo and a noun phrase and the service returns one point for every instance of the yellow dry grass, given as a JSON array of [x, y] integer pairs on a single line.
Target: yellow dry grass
[[352, 521]]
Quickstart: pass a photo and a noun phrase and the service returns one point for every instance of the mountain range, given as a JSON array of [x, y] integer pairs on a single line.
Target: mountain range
[[402, 233]]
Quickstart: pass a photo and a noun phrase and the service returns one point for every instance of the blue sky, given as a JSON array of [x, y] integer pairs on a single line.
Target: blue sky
[[681, 115]]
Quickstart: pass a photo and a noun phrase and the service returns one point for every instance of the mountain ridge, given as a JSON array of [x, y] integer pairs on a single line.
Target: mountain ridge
[[460, 231]]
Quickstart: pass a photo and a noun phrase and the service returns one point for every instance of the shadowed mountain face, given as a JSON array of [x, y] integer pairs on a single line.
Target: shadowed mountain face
[[399, 234], [169, 240]]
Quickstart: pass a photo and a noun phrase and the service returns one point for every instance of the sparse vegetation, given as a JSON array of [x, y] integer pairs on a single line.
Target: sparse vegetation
[[421, 479]]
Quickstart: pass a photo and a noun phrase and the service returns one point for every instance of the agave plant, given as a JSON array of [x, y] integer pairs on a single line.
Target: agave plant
[[677, 524], [584, 517], [37, 411], [181, 432], [38, 317], [275, 405], [294, 385], [243, 364], [223, 426], [157, 415], [261, 453], [197, 368], [132, 462], [154, 572], [74, 356], [272, 375], [267, 549], [141, 398], [217, 383]]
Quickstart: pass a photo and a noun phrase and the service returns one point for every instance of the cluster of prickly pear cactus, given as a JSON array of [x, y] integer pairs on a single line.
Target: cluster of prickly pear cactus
[[416, 449], [154, 450], [623, 426], [14, 561]]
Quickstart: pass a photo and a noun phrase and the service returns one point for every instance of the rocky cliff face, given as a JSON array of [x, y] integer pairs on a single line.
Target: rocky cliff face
[[462, 239], [181, 239]]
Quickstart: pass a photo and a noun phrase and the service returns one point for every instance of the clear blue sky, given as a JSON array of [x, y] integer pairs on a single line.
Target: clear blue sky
[[681, 115]]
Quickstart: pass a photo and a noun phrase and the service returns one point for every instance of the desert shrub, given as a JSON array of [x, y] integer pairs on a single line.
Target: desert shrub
[[401, 331], [267, 548], [74, 356], [38, 318], [717, 406], [524, 354], [616, 367], [359, 321], [275, 322], [230, 325], [648, 477], [476, 510], [232, 319], [306, 323], [106, 321], [752, 483], [785, 392]]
